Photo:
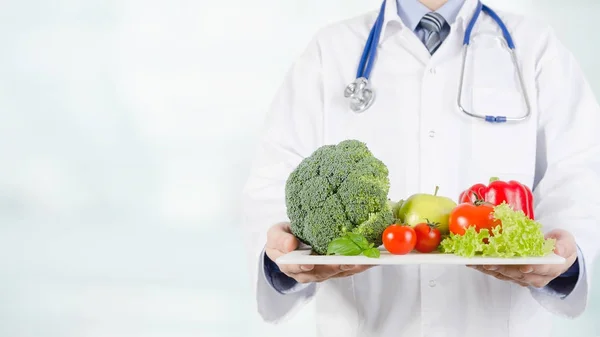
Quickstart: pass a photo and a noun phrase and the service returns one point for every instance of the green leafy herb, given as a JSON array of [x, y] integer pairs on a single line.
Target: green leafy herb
[[343, 246], [359, 240], [352, 244], [372, 253], [518, 236]]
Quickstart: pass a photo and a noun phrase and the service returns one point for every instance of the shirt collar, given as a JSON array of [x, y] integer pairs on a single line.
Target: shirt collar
[[450, 10], [462, 14]]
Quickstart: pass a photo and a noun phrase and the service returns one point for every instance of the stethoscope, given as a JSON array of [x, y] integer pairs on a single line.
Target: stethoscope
[[362, 96]]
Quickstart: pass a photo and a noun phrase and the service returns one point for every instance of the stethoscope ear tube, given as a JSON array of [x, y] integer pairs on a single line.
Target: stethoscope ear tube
[[493, 15], [483, 8], [509, 43]]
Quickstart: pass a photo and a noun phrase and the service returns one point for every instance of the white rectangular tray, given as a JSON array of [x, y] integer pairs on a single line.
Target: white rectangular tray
[[304, 256]]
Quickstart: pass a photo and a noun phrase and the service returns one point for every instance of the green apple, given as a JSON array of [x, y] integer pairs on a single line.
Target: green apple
[[430, 208]]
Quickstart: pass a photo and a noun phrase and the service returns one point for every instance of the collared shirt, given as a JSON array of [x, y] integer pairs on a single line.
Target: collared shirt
[[412, 11]]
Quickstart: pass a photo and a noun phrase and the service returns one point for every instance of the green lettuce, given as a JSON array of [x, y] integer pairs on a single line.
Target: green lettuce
[[518, 236]]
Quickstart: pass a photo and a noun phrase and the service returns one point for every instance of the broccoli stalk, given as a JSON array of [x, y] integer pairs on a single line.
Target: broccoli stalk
[[338, 189]]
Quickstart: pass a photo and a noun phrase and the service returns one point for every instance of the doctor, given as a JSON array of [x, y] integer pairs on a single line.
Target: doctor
[[416, 127]]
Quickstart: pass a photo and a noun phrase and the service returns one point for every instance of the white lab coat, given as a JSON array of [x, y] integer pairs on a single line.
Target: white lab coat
[[415, 127]]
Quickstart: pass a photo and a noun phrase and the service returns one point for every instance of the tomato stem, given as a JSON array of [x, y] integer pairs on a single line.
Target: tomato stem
[[432, 224], [479, 201]]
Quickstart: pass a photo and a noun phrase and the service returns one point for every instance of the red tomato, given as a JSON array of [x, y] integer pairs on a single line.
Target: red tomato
[[428, 238], [468, 214], [399, 240]]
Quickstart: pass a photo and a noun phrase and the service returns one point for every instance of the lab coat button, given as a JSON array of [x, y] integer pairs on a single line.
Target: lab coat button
[[432, 283], [431, 134], [432, 71]]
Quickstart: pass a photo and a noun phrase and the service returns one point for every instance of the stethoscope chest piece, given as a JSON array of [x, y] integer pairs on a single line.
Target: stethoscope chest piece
[[360, 94]]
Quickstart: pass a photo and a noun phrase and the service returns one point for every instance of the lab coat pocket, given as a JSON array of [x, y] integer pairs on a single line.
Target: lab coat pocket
[[498, 102], [501, 148]]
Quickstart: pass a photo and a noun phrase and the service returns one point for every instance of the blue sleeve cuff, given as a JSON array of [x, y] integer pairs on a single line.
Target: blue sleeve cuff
[[279, 281], [573, 271], [563, 285]]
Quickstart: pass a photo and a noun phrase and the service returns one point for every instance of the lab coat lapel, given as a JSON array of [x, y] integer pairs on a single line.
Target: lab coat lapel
[[415, 47], [452, 45], [407, 39], [450, 48]]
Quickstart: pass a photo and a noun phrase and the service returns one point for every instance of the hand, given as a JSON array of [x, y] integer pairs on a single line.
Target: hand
[[281, 241], [538, 276]]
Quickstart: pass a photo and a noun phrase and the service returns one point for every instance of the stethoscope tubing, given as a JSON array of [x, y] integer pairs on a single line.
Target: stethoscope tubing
[[508, 41], [362, 95]]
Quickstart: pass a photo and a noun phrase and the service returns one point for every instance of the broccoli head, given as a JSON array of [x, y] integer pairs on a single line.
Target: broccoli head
[[339, 188]]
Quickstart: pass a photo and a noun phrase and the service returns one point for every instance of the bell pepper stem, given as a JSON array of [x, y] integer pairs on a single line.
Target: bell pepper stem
[[492, 179], [437, 188]]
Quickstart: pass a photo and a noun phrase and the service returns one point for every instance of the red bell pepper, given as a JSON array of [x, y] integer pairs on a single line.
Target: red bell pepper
[[518, 196]]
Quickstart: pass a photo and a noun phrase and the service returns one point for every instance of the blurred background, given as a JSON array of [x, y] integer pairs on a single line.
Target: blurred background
[[126, 131]]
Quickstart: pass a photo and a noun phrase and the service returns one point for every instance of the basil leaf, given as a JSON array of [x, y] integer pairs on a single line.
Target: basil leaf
[[343, 246], [352, 244], [372, 253], [359, 240]]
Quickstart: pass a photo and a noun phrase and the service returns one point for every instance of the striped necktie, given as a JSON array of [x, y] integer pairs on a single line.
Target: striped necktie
[[433, 23]]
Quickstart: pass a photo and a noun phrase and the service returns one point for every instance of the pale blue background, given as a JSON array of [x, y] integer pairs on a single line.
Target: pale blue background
[[126, 130]]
